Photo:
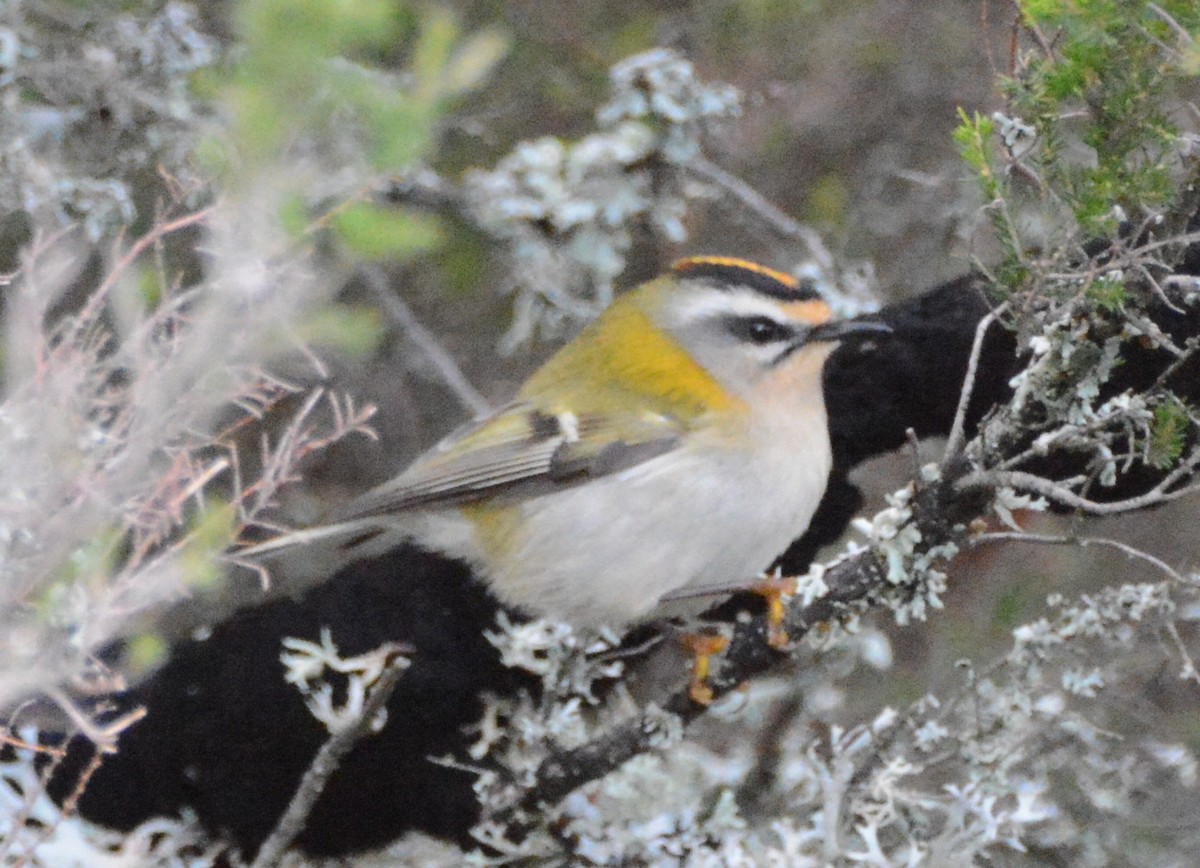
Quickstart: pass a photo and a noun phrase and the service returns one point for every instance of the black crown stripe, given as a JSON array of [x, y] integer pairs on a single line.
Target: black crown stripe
[[732, 271]]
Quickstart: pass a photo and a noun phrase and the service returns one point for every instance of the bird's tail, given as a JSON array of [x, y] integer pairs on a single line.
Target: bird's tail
[[342, 535], [302, 558]]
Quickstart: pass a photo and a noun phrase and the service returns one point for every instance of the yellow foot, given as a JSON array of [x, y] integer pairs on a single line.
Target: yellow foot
[[702, 646]]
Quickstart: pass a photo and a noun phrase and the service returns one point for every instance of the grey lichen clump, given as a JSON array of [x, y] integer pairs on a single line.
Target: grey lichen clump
[[914, 566], [516, 734], [566, 209], [89, 105]]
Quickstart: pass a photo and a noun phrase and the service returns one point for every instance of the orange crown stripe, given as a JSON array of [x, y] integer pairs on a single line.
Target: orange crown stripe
[[682, 266]]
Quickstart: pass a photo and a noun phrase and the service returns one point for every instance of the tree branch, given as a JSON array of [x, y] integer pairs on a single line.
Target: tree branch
[[850, 581], [329, 757], [1061, 494], [424, 339]]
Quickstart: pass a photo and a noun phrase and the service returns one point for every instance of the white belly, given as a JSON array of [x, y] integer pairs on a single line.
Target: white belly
[[607, 551]]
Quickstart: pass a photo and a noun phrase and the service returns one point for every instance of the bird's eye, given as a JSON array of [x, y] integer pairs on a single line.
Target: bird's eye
[[760, 330]]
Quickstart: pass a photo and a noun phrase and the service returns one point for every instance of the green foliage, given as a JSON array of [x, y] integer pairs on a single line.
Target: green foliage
[[307, 80], [86, 569], [355, 331], [150, 288], [205, 540], [305, 75], [144, 652], [1011, 608], [1102, 80], [974, 139], [828, 201], [376, 232], [445, 65], [1168, 435], [1108, 293], [294, 214], [287, 48]]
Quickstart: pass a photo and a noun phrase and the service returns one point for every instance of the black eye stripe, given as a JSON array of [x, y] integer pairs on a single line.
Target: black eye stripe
[[759, 329]]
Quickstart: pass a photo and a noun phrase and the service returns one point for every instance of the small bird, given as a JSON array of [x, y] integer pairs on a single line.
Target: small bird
[[678, 442]]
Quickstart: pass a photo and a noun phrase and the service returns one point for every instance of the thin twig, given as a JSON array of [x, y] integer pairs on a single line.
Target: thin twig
[[1150, 329], [985, 29], [1033, 30], [1189, 665], [329, 757], [764, 209], [1179, 29], [1082, 542], [159, 230], [1191, 347], [45, 831], [103, 737], [1127, 258], [954, 445], [914, 445], [22, 744], [1134, 253], [403, 315], [1157, 289], [1189, 670], [759, 782], [1060, 494]]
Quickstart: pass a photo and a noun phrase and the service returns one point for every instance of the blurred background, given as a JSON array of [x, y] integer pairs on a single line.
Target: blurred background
[[843, 123]]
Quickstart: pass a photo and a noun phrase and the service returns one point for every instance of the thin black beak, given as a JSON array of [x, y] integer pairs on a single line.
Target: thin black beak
[[831, 332], [836, 331]]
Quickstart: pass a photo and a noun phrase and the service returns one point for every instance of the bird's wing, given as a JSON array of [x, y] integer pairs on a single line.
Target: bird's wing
[[521, 452]]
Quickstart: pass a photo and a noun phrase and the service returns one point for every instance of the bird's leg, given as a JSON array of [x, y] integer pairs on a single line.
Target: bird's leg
[[702, 647], [774, 589]]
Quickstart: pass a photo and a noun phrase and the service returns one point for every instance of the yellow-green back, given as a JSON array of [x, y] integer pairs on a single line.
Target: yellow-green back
[[623, 360]]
